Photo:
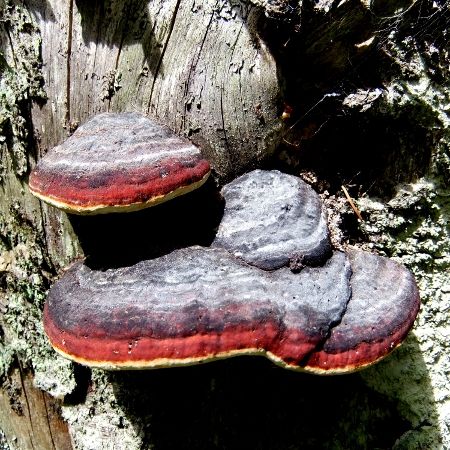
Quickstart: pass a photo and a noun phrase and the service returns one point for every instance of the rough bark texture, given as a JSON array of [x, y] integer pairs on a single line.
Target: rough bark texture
[[368, 95]]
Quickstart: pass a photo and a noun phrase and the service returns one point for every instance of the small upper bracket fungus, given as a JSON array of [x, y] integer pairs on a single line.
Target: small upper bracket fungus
[[118, 162], [272, 219]]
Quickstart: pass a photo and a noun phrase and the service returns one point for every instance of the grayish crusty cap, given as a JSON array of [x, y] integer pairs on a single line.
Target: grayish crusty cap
[[272, 219]]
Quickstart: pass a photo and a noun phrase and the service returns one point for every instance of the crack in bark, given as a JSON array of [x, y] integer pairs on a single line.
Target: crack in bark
[[119, 51], [44, 232], [27, 402], [227, 144], [13, 53], [48, 420], [144, 59], [68, 62], [194, 64], [231, 61], [158, 67]]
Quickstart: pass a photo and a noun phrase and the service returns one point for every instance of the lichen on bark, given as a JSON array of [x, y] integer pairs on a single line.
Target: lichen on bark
[[21, 81], [26, 276], [413, 227], [26, 269]]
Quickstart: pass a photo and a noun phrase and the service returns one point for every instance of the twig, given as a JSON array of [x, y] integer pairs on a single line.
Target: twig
[[352, 204]]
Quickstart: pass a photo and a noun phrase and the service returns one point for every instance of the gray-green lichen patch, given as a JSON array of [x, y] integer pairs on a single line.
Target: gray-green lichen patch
[[26, 275], [20, 81], [413, 228], [3, 444], [111, 84]]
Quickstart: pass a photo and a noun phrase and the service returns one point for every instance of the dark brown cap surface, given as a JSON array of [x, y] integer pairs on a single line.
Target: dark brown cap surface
[[118, 162]]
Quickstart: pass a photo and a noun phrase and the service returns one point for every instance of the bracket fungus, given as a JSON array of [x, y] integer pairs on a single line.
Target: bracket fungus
[[198, 304], [118, 162], [341, 312]]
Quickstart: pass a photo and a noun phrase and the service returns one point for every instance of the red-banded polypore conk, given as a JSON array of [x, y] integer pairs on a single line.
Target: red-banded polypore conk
[[118, 162], [337, 312]]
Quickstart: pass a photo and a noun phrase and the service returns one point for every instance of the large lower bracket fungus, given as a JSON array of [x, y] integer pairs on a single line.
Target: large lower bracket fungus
[[198, 304], [115, 163]]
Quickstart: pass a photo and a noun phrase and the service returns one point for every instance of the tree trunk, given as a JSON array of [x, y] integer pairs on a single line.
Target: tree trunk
[[340, 92]]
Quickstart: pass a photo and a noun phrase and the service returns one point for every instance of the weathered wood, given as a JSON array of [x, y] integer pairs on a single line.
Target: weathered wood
[[31, 418], [161, 58]]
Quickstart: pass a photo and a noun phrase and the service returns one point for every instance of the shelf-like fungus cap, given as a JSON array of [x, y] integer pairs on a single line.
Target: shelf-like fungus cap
[[272, 219], [382, 309], [197, 304], [118, 162], [193, 305]]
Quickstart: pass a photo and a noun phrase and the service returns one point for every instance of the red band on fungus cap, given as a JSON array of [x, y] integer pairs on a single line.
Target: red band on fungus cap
[[118, 162]]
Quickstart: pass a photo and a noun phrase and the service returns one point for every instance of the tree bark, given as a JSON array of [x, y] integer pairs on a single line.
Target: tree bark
[[341, 92]]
